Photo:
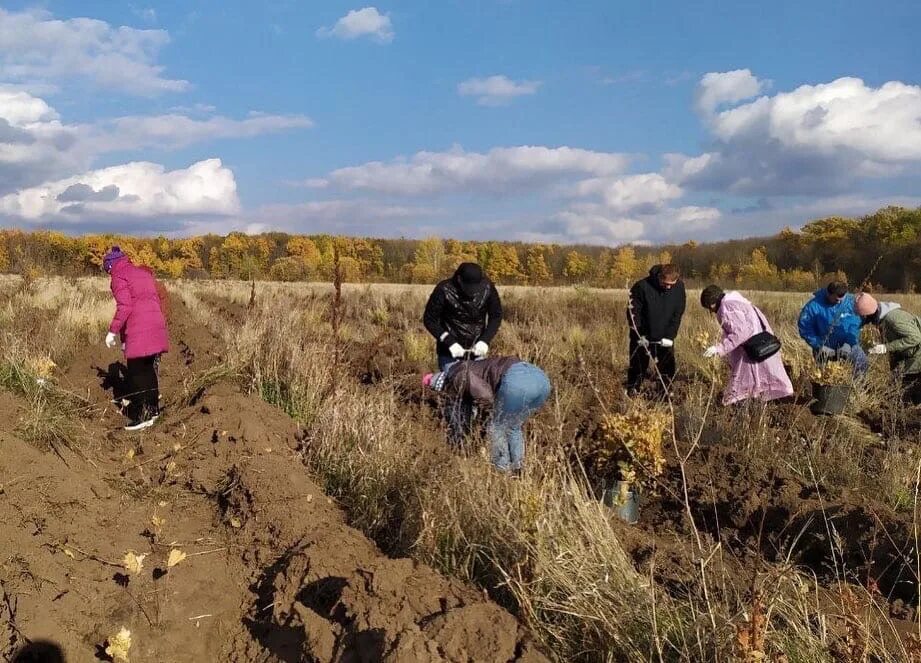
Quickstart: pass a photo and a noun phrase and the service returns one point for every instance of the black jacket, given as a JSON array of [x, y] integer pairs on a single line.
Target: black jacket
[[655, 312], [465, 319]]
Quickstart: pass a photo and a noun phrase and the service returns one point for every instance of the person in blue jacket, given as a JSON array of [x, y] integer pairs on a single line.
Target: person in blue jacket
[[831, 327]]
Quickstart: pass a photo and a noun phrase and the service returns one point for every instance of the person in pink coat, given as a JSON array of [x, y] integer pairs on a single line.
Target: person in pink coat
[[140, 324], [740, 319]]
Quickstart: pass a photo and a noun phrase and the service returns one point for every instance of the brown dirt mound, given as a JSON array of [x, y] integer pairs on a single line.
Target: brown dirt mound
[[272, 571]]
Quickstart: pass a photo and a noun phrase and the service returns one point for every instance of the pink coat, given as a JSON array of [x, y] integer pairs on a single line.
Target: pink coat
[[138, 317], [767, 380]]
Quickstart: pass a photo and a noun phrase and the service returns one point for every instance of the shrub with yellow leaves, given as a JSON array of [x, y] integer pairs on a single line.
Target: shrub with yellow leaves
[[628, 447], [833, 373]]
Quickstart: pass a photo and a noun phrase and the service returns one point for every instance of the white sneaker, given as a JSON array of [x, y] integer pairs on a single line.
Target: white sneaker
[[141, 425]]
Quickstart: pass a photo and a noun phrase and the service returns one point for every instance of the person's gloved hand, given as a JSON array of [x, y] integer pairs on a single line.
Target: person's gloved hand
[[456, 350], [825, 352], [712, 351], [844, 352], [667, 343], [643, 342], [880, 349], [111, 339], [480, 349]]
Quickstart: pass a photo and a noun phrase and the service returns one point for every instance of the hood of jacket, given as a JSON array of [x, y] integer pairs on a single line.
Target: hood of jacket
[[885, 308], [653, 277]]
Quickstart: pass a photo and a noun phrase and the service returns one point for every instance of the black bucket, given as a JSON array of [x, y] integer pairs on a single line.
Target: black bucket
[[829, 399]]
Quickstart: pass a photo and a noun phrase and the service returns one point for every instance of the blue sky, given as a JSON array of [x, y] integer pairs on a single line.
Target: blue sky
[[576, 122]]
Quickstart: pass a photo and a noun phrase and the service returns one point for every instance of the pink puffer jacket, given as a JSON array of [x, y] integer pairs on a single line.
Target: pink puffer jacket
[[138, 317]]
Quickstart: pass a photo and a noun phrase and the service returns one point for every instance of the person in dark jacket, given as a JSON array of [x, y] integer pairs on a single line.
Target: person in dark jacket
[[654, 313], [463, 313], [514, 389]]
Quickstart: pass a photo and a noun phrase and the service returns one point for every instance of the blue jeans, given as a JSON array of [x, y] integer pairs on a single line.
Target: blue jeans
[[523, 390]]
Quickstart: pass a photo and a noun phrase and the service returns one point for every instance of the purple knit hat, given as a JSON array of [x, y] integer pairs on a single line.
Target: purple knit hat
[[115, 253]]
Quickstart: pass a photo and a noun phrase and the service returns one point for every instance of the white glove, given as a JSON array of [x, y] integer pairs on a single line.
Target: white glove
[[456, 350], [480, 349], [712, 351], [111, 339], [880, 349], [825, 352], [667, 343], [643, 342]]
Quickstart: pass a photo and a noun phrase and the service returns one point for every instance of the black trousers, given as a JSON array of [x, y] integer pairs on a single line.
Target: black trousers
[[143, 387], [639, 363]]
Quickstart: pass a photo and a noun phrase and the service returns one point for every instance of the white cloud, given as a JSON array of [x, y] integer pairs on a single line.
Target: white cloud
[[814, 140], [632, 208], [138, 189], [175, 130], [498, 171], [20, 108], [36, 147], [496, 90], [365, 22], [35, 46], [717, 88], [643, 192], [882, 124]]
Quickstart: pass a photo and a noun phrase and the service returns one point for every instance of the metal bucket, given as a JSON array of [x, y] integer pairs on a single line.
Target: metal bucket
[[629, 510], [830, 399]]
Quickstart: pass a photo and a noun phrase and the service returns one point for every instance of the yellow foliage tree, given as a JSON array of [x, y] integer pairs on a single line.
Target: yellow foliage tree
[[758, 273], [625, 266], [576, 266], [536, 265], [429, 260]]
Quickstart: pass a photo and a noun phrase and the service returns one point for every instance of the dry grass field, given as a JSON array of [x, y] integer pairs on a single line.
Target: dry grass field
[[765, 533]]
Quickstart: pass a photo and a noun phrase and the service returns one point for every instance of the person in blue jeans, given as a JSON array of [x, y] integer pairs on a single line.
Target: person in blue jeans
[[514, 389], [831, 327]]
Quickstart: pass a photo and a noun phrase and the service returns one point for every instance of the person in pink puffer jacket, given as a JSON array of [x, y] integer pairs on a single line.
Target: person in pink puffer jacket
[[741, 320], [141, 325]]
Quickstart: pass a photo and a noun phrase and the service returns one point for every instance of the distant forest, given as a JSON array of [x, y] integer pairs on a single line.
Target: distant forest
[[881, 250]]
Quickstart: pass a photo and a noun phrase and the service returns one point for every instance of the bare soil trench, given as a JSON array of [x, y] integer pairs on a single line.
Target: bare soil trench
[[272, 571]]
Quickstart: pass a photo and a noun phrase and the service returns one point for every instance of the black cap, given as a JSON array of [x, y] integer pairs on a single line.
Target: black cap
[[469, 277]]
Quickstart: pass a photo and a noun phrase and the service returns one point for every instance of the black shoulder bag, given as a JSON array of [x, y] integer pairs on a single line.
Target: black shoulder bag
[[762, 345]]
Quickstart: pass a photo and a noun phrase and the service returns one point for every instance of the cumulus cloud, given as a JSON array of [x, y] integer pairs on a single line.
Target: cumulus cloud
[[496, 90], [631, 208], [365, 22], [138, 189], [814, 140], [498, 171], [34, 144], [728, 87], [35, 46]]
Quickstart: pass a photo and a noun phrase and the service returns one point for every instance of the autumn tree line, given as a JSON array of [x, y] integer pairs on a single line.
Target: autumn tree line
[[882, 249]]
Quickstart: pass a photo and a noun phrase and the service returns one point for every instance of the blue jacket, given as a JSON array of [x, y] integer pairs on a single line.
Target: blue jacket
[[822, 323]]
